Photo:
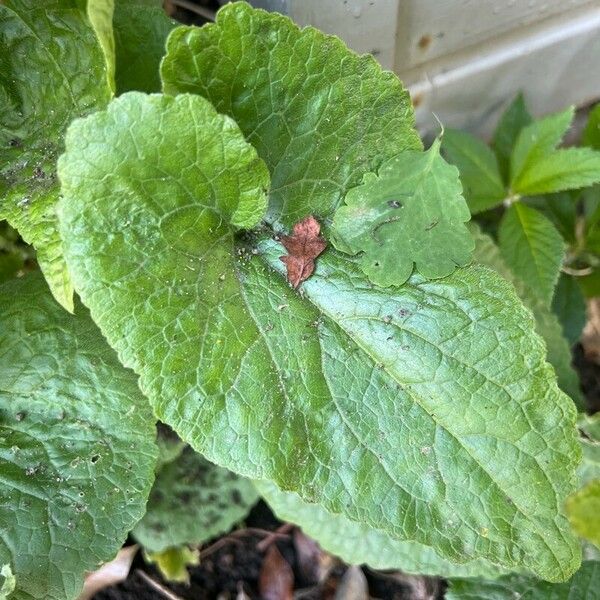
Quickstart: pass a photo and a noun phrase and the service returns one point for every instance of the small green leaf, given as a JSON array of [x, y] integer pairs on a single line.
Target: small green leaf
[[172, 563], [583, 510], [478, 167], [546, 322], [535, 142], [191, 502], [514, 119], [359, 544], [533, 249], [77, 449], [561, 208], [141, 28], [591, 135], [319, 115], [584, 585], [566, 169], [569, 305], [52, 69], [332, 391], [410, 214]]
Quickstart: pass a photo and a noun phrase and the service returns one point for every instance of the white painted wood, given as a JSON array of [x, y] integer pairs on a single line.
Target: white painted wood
[[555, 63], [430, 29], [465, 59]]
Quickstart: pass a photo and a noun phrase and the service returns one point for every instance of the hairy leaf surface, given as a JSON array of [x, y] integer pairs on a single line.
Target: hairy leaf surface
[[426, 411], [52, 69], [77, 447], [356, 543], [533, 249], [584, 584], [478, 166], [319, 115], [191, 502], [411, 214]]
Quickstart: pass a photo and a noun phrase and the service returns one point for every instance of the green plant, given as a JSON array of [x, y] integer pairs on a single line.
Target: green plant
[[401, 387]]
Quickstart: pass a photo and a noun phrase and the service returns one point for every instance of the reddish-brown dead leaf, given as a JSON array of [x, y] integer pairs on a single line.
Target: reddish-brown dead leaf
[[276, 580], [303, 246], [312, 563]]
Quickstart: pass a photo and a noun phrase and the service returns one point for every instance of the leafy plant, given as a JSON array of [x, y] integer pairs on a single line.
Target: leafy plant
[[397, 389]]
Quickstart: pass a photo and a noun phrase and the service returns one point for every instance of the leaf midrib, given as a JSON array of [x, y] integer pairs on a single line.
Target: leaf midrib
[[535, 525]]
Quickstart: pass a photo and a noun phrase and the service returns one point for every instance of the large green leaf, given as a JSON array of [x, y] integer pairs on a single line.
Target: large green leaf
[[426, 410], [479, 172], [141, 28], [510, 125], [411, 213], [584, 585], [546, 322], [533, 249], [356, 543], [77, 448], [191, 502], [52, 69], [536, 141], [319, 115]]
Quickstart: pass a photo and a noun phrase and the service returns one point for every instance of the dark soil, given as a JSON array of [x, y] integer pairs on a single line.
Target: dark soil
[[589, 377], [236, 566]]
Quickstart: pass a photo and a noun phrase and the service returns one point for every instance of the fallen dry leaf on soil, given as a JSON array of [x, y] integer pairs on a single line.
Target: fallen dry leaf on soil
[[110, 573], [353, 585], [303, 246], [276, 579], [312, 563]]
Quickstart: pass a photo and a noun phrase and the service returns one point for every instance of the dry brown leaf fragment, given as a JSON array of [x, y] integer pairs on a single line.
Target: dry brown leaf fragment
[[109, 573], [303, 246], [353, 585], [312, 563], [276, 579]]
